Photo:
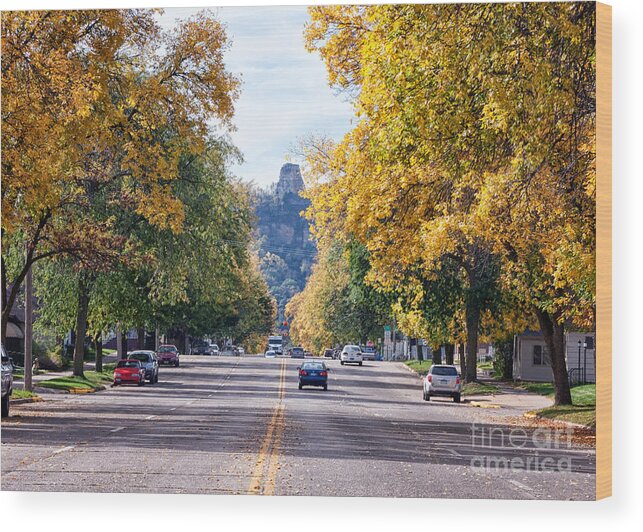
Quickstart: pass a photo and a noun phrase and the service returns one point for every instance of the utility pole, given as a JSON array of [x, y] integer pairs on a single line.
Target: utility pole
[[28, 330]]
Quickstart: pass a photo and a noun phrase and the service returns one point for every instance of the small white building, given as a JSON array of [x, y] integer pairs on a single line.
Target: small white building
[[531, 357]]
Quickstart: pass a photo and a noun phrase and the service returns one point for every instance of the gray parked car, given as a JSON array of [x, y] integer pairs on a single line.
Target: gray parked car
[[442, 379], [149, 362], [7, 382]]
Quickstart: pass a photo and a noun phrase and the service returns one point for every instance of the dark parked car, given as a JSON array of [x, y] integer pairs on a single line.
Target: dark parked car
[[368, 353], [297, 352], [149, 362], [168, 354], [328, 353], [202, 348], [7, 382], [313, 374]]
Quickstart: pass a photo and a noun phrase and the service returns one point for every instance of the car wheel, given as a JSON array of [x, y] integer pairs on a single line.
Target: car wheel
[[342, 362], [359, 363], [427, 396], [141, 382], [424, 396], [300, 387], [326, 388], [156, 379], [5, 406], [456, 398], [176, 364]]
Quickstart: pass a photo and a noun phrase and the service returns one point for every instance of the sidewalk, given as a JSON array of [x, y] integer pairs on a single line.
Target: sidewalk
[[510, 398]]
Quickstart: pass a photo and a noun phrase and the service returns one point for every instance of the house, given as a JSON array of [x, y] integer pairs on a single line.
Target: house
[[531, 357]]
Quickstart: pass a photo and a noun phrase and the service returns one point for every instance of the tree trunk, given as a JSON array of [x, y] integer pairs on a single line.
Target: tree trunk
[[81, 325], [28, 358], [437, 355], [554, 334], [98, 343], [472, 318], [124, 345], [140, 338], [418, 349], [5, 318], [463, 362], [448, 353], [8, 301]]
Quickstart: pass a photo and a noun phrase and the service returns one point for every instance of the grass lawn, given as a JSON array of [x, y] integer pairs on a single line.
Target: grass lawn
[[479, 388], [22, 394], [420, 367], [582, 411], [91, 382]]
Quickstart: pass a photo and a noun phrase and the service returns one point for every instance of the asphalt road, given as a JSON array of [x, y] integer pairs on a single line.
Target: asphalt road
[[240, 426]]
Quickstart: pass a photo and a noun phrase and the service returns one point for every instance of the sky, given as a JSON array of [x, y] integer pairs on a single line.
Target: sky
[[284, 93]]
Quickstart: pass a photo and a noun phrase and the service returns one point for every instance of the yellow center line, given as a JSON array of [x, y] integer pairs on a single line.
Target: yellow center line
[[269, 450]]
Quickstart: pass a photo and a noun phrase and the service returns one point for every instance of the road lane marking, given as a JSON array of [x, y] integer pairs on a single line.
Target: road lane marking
[[529, 492], [117, 429], [269, 450], [150, 417], [68, 448]]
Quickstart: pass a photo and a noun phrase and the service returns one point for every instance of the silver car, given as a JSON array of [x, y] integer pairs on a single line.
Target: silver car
[[149, 362], [442, 379]]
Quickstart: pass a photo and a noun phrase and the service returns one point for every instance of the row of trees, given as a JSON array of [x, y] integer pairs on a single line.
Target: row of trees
[[469, 177], [114, 190]]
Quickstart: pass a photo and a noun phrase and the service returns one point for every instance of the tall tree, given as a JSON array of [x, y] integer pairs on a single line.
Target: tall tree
[[92, 97], [481, 117]]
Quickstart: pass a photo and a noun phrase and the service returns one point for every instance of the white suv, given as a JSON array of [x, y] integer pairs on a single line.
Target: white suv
[[442, 379], [351, 354]]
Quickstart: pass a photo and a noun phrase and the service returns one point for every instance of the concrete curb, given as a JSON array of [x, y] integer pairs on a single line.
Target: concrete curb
[[412, 371], [87, 390], [534, 415], [26, 400]]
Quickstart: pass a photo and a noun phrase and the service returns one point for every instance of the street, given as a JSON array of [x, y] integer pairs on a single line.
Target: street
[[239, 425]]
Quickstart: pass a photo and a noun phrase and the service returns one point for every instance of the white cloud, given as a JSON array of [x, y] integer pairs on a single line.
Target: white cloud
[[285, 93]]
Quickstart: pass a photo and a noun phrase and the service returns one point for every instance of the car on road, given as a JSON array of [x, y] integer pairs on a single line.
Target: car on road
[[329, 353], [241, 351], [199, 347], [442, 379], [149, 362], [351, 354], [297, 352], [368, 353], [313, 374], [270, 354], [129, 371], [168, 354], [7, 382], [214, 348]]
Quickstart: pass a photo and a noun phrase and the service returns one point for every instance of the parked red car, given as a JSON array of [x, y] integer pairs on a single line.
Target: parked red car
[[129, 371], [168, 354]]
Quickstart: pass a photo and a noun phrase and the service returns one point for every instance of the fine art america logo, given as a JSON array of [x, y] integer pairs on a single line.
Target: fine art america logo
[[516, 449]]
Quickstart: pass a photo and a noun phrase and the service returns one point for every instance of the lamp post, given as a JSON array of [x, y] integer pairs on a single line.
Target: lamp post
[[584, 361]]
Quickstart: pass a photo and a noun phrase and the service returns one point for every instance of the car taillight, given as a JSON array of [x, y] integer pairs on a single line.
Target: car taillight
[[457, 380], [303, 372], [429, 378], [322, 373]]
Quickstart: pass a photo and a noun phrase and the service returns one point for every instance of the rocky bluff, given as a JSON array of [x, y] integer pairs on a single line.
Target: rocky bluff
[[285, 249]]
